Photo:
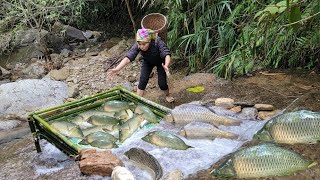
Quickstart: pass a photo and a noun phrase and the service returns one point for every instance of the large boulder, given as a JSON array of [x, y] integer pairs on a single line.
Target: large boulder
[[25, 96]]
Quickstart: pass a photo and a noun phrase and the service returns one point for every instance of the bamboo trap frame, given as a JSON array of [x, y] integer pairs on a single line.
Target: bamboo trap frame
[[41, 129]]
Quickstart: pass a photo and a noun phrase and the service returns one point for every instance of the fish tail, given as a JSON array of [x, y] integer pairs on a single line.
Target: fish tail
[[189, 147], [313, 164]]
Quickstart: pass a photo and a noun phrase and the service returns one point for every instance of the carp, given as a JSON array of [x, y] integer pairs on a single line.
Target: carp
[[292, 128], [262, 161], [166, 139], [115, 106], [142, 157], [147, 113], [199, 130], [129, 127], [187, 113], [68, 129]]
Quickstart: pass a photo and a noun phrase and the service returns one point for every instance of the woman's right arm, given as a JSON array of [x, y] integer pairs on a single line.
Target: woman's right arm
[[112, 72], [131, 55]]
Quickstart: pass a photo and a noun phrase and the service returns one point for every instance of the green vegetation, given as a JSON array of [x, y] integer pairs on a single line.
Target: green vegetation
[[222, 36]]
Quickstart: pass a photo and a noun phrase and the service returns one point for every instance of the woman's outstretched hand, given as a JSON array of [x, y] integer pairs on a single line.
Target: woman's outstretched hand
[[111, 73], [166, 69]]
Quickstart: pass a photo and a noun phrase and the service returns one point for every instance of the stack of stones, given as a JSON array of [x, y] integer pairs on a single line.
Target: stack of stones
[[247, 110]]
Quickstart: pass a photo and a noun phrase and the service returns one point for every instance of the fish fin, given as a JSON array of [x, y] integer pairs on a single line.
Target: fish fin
[[83, 142], [313, 164]]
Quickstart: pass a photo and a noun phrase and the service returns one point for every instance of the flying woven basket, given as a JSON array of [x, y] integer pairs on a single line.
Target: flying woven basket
[[157, 22]]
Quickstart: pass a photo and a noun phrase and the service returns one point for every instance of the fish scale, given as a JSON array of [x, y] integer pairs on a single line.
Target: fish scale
[[291, 128], [188, 113], [262, 161], [142, 157]]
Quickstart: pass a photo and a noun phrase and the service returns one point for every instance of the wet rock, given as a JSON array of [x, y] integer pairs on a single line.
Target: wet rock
[[118, 49], [174, 175], [65, 53], [121, 173], [127, 85], [244, 104], [22, 97], [61, 74], [248, 114], [34, 70], [224, 102], [98, 163], [5, 81], [4, 72], [73, 91], [25, 37], [236, 109], [9, 124], [267, 114], [71, 33], [264, 107]]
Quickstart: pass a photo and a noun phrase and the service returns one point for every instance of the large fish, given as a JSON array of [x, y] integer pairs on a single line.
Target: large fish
[[106, 128], [262, 161], [90, 113], [97, 136], [165, 139], [81, 122], [187, 113], [100, 120], [147, 113], [200, 130], [129, 127], [115, 106], [142, 157], [291, 128], [68, 129], [103, 144]]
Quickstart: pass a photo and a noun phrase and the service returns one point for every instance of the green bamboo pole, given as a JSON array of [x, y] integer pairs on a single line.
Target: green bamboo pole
[[163, 108], [82, 108], [75, 103], [155, 110], [55, 132]]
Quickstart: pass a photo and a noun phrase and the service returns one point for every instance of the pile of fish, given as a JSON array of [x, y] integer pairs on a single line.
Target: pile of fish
[[269, 159], [116, 121], [105, 127]]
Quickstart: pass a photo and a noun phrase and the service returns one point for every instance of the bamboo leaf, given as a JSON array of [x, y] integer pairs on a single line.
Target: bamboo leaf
[[196, 89]]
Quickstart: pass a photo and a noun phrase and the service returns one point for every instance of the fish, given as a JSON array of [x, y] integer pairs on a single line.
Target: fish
[[200, 130], [292, 128], [140, 156], [105, 128], [97, 136], [99, 120], [103, 144], [67, 129], [115, 106], [147, 113], [187, 113], [262, 161], [124, 115], [129, 127], [81, 122], [90, 113], [166, 139], [121, 173]]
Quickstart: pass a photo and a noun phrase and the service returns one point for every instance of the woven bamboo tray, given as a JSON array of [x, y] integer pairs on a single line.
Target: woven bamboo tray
[[41, 129]]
